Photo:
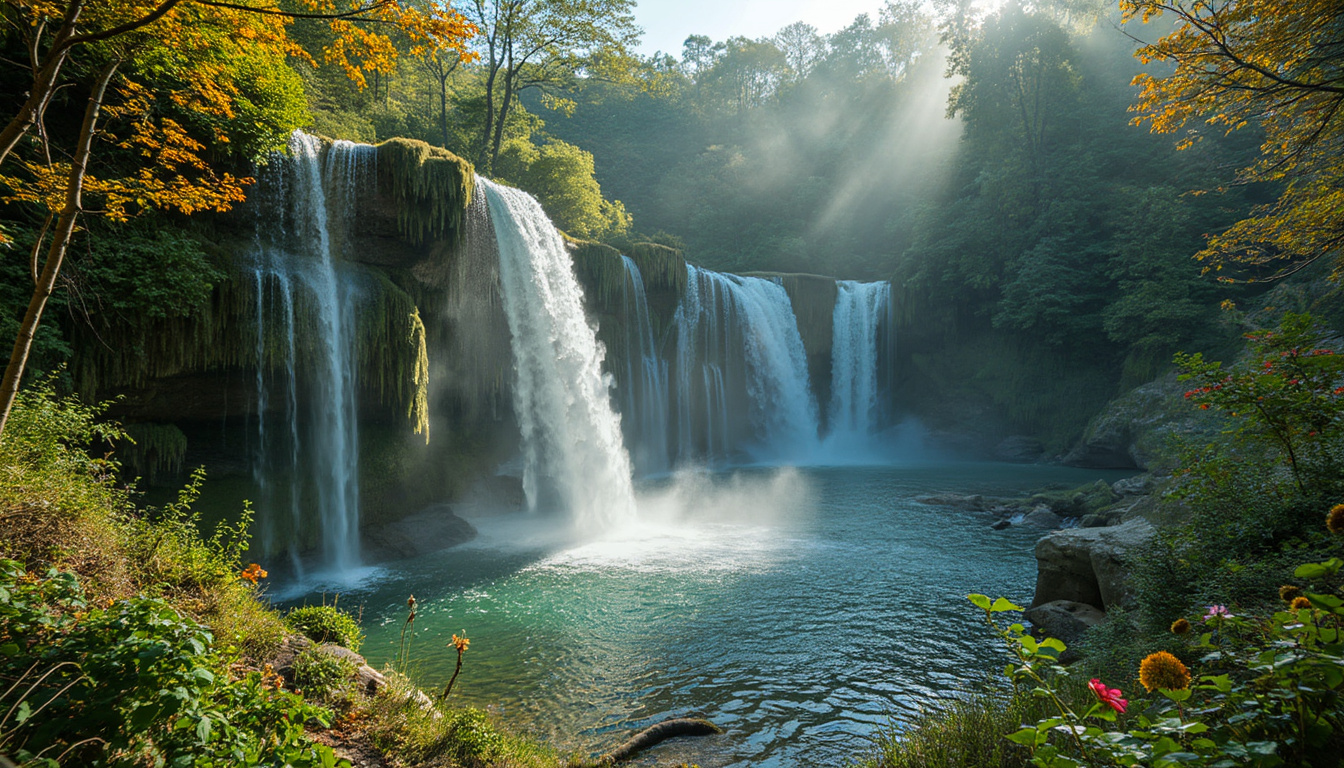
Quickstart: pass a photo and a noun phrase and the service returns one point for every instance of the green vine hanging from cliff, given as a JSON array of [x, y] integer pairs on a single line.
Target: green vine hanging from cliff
[[417, 407]]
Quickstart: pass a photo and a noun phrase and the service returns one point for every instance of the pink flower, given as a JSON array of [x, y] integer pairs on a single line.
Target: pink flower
[[1217, 612], [1108, 696]]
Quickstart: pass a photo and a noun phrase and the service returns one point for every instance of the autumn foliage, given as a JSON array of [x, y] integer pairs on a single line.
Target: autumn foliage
[[1275, 66]]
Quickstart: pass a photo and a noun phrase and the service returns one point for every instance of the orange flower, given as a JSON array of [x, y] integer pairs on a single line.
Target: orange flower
[[1164, 671], [1300, 604], [461, 643], [251, 573], [1335, 520]]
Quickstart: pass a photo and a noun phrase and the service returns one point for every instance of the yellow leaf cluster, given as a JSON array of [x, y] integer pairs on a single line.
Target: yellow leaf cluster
[[1274, 64]]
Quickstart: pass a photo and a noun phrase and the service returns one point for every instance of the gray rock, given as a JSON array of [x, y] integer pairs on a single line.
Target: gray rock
[[1094, 521], [1019, 449], [429, 530], [1138, 485], [1042, 517], [1064, 619], [1134, 430], [1089, 565], [999, 525]]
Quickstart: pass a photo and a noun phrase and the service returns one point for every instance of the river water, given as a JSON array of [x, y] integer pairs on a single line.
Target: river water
[[799, 609]]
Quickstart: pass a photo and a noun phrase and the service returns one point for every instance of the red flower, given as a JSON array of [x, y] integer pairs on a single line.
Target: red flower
[[1108, 696]]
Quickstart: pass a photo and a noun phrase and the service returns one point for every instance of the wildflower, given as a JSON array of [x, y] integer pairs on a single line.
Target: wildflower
[[252, 572], [1163, 671], [1300, 604], [1288, 592], [1217, 612], [1335, 520], [1180, 627], [461, 643], [410, 602], [1108, 696]]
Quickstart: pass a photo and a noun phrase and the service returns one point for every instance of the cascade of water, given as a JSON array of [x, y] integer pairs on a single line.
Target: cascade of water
[[644, 404], [296, 275], [860, 311], [739, 352], [573, 454]]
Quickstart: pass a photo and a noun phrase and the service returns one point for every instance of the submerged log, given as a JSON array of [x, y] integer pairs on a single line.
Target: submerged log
[[658, 733]]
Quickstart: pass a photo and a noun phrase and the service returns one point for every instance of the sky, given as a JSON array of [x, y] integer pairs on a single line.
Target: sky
[[667, 23]]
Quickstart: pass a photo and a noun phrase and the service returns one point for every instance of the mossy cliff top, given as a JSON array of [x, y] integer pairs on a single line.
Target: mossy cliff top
[[430, 186]]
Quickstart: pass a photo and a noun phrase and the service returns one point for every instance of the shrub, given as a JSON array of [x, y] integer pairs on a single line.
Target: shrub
[[966, 733], [322, 676], [326, 624], [1268, 690], [133, 683]]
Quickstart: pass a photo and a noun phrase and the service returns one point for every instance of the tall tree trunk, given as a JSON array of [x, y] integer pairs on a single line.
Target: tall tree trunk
[[484, 159], [65, 229], [504, 104], [44, 82], [443, 107]]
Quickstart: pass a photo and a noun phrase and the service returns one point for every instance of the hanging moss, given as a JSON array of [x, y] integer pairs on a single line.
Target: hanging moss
[[600, 271], [219, 335], [662, 267], [154, 449], [431, 188], [417, 410]]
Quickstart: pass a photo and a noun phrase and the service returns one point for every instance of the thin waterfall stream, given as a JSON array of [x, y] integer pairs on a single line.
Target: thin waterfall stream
[[306, 459]]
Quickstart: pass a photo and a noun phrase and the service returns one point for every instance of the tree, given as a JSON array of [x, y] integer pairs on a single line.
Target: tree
[[561, 177], [802, 48], [1277, 66], [170, 75], [538, 43], [698, 55], [748, 73]]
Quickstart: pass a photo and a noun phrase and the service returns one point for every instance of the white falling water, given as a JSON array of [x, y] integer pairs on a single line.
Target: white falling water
[[573, 455], [739, 350], [859, 312], [305, 328], [644, 404]]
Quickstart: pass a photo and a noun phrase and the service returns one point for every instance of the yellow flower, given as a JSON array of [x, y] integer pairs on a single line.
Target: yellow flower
[[1180, 627], [1288, 592], [460, 643], [1163, 671], [1335, 520], [1300, 604]]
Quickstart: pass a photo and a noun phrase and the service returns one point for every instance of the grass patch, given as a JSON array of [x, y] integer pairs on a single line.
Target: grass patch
[[966, 732], [412, 731]]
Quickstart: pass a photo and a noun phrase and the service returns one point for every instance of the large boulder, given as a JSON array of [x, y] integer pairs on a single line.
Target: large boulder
[[1089, 565], [1134, 431], [434, 528], [1064, 619], [1019, 449]]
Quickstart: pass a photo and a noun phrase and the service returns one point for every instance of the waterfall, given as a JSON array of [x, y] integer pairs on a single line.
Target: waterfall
[[645, 397], [305, 333], [741, 372], [573, 454], [860, 311]]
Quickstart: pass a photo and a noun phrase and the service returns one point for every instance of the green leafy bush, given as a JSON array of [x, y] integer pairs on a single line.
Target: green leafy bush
[[322, 676], [326, 624], [132, 683], [1267, 691]]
